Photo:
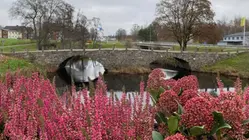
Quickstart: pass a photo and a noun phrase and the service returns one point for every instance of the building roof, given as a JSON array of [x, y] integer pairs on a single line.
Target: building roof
[[237, 34], [18, 28]]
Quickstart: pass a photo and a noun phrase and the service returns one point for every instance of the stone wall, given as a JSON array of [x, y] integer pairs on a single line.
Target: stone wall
[[124, 58]]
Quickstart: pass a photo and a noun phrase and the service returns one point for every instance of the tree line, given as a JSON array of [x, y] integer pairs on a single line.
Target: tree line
[[54, 18], [183, 21]]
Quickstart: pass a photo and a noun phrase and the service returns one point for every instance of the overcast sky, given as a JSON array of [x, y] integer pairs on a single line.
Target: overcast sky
[[116, 14]]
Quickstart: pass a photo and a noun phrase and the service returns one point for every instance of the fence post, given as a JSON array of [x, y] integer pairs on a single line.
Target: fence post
[[100, 47], [114, 46], [13, 50]]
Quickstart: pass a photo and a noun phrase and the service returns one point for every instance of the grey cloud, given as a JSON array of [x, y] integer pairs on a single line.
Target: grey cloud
[[116, 14]]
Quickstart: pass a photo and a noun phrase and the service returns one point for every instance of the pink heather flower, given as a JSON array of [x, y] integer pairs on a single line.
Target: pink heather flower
[[246, 95], [167, 102], [198, 112], [232, 96], [187, 95], [187, 82], [33, 110], [220, 84], [155, 77], [177, 136], [238, 86]]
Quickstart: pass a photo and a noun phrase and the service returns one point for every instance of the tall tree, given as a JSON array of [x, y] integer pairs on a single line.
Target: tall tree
[[148, 33], [209, 33], [40, 13], [121, 34], [81, 33], [182, 17], [134, 31]]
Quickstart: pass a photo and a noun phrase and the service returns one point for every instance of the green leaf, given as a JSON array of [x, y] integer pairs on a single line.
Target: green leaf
[[245, 122], [180, 108], [180, 92], [197, 130], [161, 118], [156, 136], [173, 124], [219, 123], [156, 93]]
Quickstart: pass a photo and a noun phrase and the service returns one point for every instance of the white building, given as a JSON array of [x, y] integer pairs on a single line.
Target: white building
[[13, 34], [236, 39]]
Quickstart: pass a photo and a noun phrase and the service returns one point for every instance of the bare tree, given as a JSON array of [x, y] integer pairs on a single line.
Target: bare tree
[[182, 17], [134, 31], [93, 34], [121, 34], [40, 13], [80, 30]]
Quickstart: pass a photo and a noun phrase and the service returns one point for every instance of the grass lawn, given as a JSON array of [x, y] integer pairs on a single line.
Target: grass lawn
[[10, 42], [9, 64], [108, 45], [30, 47], [210, 49], [236, 66]]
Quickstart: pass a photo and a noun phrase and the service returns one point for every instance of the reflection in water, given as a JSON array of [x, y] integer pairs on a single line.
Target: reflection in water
[[131, 83], [207, 81]]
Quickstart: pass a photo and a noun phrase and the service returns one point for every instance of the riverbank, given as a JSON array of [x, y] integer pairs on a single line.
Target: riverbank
[[237, 66], [26, 68], [130, 70]]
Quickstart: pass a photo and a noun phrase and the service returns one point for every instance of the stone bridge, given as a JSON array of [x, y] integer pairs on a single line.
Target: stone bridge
[[111, 58]]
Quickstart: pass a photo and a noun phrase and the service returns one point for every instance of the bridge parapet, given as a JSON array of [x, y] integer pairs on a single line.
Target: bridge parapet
[[115, 58]]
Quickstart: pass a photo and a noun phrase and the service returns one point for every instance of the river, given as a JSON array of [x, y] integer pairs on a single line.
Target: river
[[116, 82]]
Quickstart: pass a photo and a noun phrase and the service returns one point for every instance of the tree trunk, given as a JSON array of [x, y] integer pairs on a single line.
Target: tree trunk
[[184, 47]]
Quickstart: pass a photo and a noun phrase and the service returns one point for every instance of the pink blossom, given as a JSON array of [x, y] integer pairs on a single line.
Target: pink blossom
[[187, 95], [33, 110], [198, 112], [168, 84], [155, 78], [168, 102], [177, 136], [187, 82]]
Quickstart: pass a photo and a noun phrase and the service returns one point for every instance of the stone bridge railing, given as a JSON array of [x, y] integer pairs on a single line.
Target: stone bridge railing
[[114, 58]]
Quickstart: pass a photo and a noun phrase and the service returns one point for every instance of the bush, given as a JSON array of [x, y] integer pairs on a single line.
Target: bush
[[31, 109], [223, 116]]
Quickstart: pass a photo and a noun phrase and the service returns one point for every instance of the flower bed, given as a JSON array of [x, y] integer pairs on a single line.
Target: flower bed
[[185, 113], [31, 109]]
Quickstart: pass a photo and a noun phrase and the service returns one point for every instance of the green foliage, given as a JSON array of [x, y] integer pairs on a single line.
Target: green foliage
[[173, 124], [197, 130], [147, 34], [10, 42], [180, 108], [237, 66], [156, 94], [156, 136], [219, 123]]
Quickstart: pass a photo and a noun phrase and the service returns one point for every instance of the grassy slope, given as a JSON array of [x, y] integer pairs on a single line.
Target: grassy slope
[[10, 42], [211, 49], [9, 64], [237, 66]]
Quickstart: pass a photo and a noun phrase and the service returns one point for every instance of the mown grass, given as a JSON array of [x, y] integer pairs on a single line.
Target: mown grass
[[107, 45], [30, 47], [209, 49], [26, 68], [10, 42], [236, 66]]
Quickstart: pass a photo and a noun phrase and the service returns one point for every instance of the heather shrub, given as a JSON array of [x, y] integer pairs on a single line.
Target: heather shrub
[[31, 109], [185, 113]]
